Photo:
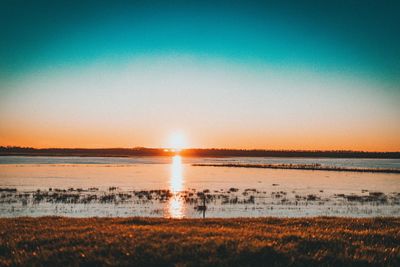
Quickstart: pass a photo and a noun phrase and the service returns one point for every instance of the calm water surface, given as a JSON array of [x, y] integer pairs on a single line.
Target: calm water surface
[[96, 186]]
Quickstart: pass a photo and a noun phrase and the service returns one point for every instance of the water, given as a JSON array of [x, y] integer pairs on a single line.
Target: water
[[97, 186], [359, 163]]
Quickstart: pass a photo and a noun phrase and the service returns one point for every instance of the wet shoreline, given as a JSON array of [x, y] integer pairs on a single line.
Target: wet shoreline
[[192, 203]]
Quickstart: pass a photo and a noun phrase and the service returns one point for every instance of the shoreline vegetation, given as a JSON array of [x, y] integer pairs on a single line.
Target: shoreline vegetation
[[311, 167], [135, 241], [192, 152], [213, 203]]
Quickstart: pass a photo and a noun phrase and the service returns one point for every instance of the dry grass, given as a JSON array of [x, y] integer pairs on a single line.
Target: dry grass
[[52, 241]]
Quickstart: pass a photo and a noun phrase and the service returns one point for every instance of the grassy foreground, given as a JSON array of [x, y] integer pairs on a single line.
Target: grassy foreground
[[52, 241]]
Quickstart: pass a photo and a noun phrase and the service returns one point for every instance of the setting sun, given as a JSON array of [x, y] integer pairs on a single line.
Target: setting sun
[[177, 141]]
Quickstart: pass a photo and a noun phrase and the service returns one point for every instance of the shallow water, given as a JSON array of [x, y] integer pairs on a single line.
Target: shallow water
[[120, 187]]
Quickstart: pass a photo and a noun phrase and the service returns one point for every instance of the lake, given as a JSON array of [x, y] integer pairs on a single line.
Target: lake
[[172, 187]]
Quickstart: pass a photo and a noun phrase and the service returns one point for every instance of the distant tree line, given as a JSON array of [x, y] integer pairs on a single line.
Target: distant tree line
[[289, 153], [194, 152]]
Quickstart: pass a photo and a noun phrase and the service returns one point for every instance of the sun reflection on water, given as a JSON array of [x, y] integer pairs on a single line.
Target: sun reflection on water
[[175, 204], [176, 180]]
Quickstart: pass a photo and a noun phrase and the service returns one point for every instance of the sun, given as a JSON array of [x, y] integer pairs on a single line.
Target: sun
[[177, 141]]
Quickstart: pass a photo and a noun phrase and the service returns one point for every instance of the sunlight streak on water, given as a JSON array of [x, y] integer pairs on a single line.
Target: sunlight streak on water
[[175, 207], [176, 180], [175, 204]]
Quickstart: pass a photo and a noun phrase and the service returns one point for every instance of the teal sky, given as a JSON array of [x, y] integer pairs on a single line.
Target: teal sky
[[328, 50], [360, 37]]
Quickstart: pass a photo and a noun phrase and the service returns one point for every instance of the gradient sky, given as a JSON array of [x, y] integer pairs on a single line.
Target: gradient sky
[[234, 74]]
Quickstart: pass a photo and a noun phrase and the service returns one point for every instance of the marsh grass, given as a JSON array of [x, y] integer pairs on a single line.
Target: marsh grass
[[311, 167], [329, 241]]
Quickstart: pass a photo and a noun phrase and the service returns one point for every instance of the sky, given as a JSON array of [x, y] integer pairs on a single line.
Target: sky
[[226, 74]]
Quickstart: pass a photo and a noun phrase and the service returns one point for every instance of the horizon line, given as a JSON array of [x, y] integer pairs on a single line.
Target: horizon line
[[197, 148]]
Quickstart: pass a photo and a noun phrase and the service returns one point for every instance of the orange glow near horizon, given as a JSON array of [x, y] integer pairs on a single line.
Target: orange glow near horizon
[[207, 104], [367, 140]]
